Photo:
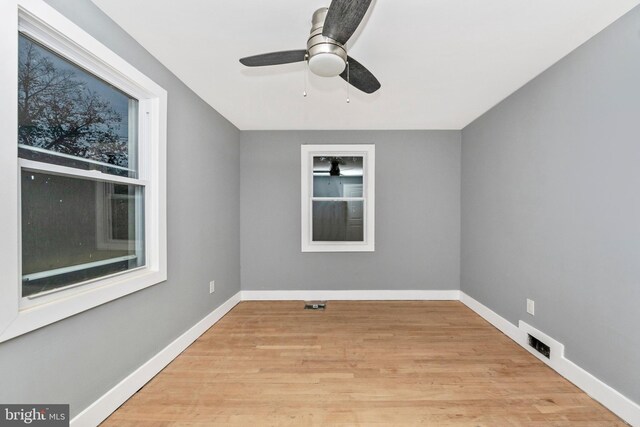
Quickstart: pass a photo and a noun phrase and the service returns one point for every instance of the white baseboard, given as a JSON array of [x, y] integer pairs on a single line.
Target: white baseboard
[[503, 325], [110, 401], [352, 295], [607, 396], [616, 402]]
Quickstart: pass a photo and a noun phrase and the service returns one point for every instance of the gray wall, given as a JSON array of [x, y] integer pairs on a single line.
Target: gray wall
[[551, 205], [417, 213], [551, 208], [78, 359]]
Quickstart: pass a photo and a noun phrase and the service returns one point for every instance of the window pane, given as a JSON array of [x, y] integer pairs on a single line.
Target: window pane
[[337, 176], [69, 117], [338, 221], [76, 229]]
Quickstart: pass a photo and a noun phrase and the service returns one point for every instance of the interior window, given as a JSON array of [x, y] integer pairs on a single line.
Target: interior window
[[338, 198]]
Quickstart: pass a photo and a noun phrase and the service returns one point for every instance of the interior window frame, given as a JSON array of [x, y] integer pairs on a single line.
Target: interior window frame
[[308, 152]]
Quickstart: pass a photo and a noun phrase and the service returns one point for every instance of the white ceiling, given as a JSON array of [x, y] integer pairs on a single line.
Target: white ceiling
[[442, 63]]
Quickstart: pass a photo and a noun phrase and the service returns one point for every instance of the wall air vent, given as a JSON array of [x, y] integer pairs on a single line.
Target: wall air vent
[[315, 305], [539, 346]]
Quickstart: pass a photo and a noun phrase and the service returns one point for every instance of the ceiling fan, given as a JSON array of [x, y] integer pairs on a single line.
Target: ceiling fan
[[326, 52]]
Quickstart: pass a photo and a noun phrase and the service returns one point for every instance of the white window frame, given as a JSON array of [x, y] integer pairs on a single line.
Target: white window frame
[[307, 153], [44, 24]]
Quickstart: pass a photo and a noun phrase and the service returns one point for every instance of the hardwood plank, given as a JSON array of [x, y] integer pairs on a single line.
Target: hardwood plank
[[358, 363]]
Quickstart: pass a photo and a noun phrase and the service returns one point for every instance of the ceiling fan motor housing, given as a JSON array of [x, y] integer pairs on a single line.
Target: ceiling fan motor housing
[[327, 57]]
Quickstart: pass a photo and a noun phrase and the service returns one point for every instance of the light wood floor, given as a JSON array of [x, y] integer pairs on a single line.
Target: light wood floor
[[358, 363]]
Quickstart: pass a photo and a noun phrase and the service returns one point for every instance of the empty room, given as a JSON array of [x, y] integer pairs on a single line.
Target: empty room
[[320, 212]]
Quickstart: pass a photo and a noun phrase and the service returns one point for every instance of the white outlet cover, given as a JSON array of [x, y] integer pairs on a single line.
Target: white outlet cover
[[212, 286], [531, 307]]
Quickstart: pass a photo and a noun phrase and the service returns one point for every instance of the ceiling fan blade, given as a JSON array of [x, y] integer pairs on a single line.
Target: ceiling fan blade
[[274, 58], [343, 18], [359, 77]]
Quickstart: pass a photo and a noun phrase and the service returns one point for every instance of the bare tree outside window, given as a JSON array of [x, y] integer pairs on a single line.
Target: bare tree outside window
[[63, 109]]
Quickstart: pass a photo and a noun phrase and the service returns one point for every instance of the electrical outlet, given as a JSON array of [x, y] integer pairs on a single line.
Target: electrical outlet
[[212, 286], [531, 307]]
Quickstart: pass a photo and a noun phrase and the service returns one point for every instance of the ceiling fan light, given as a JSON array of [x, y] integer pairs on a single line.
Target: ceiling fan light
[[326, 64]]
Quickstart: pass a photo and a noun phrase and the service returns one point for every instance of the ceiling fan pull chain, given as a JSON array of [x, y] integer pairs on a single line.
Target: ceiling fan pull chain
[[306, 76], [348, 83]]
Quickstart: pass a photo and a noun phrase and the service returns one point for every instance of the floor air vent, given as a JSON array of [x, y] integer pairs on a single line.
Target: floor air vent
[[315, 305], [539, 346]]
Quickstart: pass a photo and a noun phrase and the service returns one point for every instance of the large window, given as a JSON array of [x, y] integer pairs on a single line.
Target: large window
[[89, 152], [72, 124], [338, 198]]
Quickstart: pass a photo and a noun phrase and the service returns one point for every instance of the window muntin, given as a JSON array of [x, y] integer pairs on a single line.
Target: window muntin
[[68, 116], [337, 198]]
